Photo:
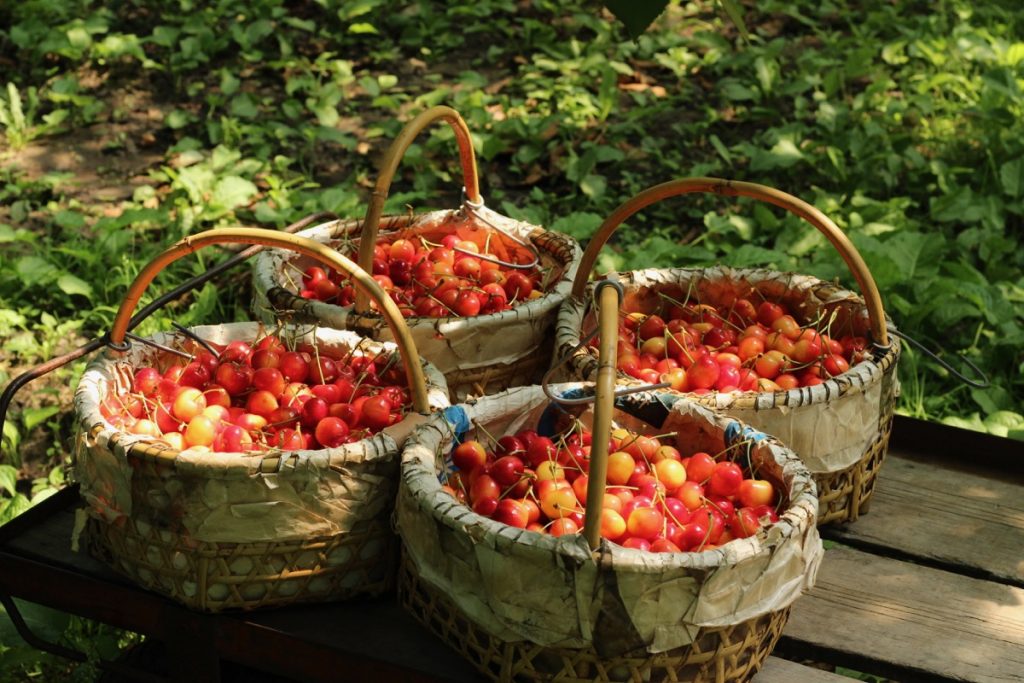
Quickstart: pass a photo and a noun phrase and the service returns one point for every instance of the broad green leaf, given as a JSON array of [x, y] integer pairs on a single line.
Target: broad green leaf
[[1005, 418], [356, 8], [229, 83], [33, 417], [1011, 174], [904, 249], [35, 270], [737, 91], [10, 319], [767, 72], [974, 422], [244, 106], [177, 118], [72, 284], [69, 220], [232, 191], [362, 28], [10, 509], [580, 225], [593, 185], [8, 479], [79, 38], [993, 399], [751, 255]]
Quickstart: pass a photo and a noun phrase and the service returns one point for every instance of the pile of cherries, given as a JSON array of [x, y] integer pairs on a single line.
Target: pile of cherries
[[262, 396], [700, 348], [655, 499], [460, 275]]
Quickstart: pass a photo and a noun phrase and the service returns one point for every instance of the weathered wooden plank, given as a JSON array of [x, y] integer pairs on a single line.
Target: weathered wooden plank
[[948, 516], [902, 616], [778, 670]]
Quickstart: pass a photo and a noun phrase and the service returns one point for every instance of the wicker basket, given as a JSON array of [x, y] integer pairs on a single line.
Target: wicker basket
[[524, 606], [219, 531], [462, 348], [841, 427]]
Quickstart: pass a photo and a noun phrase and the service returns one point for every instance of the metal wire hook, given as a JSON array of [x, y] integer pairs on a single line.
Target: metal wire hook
[[625, 391], [158, 345], [983, 383], [473, 208]]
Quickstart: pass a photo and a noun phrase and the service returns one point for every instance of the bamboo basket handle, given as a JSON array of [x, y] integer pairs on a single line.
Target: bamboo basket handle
[[467, 157], [736, 188], [609, 298], [304, 246]]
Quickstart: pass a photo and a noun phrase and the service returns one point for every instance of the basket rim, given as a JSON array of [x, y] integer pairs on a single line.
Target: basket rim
[[330, 230], [102, 370], [421, 483], [870, 369]]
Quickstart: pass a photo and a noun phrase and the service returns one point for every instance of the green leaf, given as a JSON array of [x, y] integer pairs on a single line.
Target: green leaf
[[636, 15], [362, 28], [232, 191], [177, 118], [72, 284], [974, 422], [1005, 418], [735, 12], [33, 417], [229, 83], [69, 220], [34, 270], [8, 479], [593, 185], [579, 225], [244, 106], [79, 38], [1011, 174], [13, 507]]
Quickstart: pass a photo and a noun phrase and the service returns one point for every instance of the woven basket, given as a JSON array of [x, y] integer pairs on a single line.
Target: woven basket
[[524, 606], [217, 531], [841, 427], [462, 348]]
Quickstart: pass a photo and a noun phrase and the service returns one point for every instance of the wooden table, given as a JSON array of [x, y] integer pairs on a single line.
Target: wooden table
[[928, 586]]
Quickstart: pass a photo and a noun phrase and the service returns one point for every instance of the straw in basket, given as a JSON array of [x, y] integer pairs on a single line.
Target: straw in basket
[[218, 531], [525, 606], [464, 349], [841, 427]]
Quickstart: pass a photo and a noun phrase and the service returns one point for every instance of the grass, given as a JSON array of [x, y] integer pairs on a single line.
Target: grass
[[125, 127]]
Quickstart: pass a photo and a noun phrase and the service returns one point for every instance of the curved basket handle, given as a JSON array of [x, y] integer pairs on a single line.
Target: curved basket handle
[[609, 298], [467, 157], [304, 246], [736, 188]]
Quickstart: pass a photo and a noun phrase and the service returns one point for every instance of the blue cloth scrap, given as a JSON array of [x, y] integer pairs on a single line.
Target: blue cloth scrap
[[458, 419], [738, 432]]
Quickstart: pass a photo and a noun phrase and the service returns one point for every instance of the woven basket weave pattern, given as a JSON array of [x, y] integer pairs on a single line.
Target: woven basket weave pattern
[[212, 577], [522, 606], [238, 531], [717, 655]]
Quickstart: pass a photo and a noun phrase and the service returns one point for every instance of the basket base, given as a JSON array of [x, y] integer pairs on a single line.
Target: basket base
[[717, 655], [845, 495], [213, 577]]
